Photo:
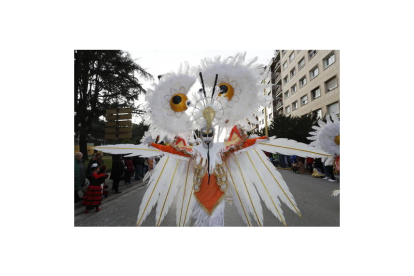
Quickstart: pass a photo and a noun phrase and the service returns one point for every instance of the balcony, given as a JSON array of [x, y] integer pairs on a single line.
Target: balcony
[[276, 76], [279, 106], [277, 66]]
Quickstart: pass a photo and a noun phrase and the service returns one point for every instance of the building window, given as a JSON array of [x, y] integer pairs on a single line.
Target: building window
[[285, 65], [295, 105], [304, 100], [283, 52], [286, 95], [298, 51], [314, 72], [285, 79], [292, 72], [311, 53], [328, 60], [301, 63], [270, 116], [269, 93], [318, 113], [294, 88], [316, 93], [287, 109], [302, 81], [333, 109], [292, 56], [331, 84]]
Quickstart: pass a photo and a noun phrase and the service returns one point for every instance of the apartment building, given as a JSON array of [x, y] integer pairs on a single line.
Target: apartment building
[[304, 81]]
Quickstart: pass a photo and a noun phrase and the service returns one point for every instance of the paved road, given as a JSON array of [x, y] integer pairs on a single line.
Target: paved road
[[313, 196]]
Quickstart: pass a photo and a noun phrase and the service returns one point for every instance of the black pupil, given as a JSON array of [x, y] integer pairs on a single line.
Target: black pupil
[[176, 99], [224, 89]]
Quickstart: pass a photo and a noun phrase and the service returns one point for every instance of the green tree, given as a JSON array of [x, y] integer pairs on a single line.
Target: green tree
[[104, 79], [293, 127]]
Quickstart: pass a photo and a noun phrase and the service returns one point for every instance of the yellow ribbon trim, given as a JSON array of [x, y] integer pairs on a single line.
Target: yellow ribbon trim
[[188, 204], [166, 197], [185, 188], [235, 187], [294, 149], [153, 191], [278, 184], [258, 220], [266, 189]]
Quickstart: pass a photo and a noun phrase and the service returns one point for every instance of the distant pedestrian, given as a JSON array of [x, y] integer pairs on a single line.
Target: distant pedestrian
[[80, 174], [329, 169], [317, 168], [128, 170], [301, 165], [309, 163], [138, 163], [294, 167], [93, 197], [117, 172]]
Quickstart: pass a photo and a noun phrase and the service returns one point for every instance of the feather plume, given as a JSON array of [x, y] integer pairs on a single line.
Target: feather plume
[[156, 185], [169, 191], [246, 189], [185, 197], [272, 179], [239, 198], [130, 149], [291, 147], [254, 172]]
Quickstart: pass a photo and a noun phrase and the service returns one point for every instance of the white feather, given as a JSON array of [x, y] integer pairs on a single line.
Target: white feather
[[170, 188], [246, 189], [130, 149], [254, 174], [156, 185], [185, 197], [291, 147], [239, 197], [264, 171]]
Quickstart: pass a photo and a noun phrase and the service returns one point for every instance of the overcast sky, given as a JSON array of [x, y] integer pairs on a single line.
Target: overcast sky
[[158, 62]]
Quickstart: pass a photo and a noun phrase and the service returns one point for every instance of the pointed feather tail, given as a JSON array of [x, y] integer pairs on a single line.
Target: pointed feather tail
[[152, 194], [291, 147], [246, 190], [170, 190], [185, 197]]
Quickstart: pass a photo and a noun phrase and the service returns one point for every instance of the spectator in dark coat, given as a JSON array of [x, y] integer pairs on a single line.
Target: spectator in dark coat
[[117, 172], [138, 163], [80, 174], [128, 170]]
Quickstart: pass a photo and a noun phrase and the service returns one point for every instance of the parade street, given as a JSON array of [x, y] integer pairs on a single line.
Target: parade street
[[313, 196]]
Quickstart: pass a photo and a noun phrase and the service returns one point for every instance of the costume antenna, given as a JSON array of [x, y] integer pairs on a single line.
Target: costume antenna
[[214, 88], [202, 84]]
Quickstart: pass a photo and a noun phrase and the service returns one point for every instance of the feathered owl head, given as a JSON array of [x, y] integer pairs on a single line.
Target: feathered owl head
[[327, 135], [219, 92]]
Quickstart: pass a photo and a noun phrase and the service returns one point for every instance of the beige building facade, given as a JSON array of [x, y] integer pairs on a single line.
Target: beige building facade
[[304, 81]]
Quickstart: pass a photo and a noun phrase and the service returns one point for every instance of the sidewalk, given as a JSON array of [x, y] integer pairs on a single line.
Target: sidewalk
[[79, 208]]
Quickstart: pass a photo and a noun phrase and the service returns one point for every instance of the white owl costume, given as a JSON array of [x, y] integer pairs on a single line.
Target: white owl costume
[[220, 95]]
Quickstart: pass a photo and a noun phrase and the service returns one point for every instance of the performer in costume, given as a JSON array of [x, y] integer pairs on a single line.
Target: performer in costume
[[327, 137], [219, 97]]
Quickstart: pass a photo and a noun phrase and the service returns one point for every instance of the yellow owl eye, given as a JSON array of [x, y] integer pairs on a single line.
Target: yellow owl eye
[[178, 102], [226, 90], [337, 140]]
